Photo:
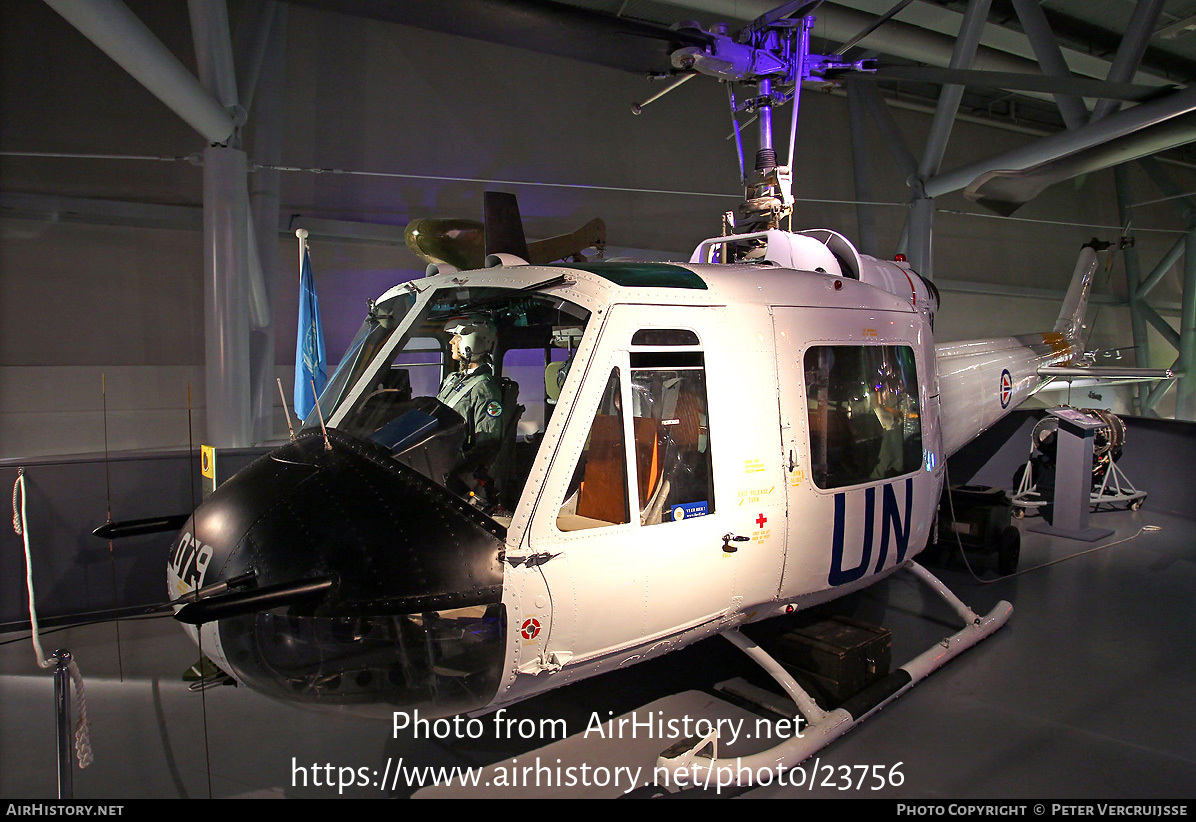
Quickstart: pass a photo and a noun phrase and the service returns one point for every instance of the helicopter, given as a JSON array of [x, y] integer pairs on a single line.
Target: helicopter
[[683, 449]]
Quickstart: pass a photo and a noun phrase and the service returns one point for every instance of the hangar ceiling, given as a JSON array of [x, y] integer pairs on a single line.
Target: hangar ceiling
[[616, 33], [1143, 52], [1119, 50]]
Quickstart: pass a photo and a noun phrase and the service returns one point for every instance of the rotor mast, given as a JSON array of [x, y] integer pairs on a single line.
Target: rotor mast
[[773, 55]]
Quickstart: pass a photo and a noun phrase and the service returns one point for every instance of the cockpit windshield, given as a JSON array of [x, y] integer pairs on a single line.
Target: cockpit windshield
[[381, 320], [465, 395]]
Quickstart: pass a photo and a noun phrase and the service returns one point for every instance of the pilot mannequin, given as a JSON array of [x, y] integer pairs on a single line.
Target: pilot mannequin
[[473, 391]]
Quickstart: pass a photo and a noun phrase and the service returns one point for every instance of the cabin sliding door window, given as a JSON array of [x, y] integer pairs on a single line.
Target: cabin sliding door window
[[597, 495], [865, 424], [672, 439]]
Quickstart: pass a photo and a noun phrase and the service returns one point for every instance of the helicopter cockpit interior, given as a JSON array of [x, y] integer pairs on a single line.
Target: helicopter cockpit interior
[[392, 401]]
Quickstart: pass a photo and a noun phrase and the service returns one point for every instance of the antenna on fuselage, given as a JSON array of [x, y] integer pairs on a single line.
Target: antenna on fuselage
[[285, 410], [320, 414]]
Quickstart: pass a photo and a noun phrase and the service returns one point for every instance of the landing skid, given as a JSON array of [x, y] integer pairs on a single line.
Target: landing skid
[[697, 761], [206, 674]]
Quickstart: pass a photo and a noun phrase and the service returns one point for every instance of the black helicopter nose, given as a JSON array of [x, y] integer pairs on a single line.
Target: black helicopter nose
[[342, 577]]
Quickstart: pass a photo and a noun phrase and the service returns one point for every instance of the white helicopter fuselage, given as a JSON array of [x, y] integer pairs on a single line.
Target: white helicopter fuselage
[[611, 596], [732, 442], [583, 602]]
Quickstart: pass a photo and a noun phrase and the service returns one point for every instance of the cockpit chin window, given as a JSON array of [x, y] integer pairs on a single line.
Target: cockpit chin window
[[465, 395]]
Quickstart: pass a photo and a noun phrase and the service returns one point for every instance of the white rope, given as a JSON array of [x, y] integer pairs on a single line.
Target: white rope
[[82, 734], [20, 525]]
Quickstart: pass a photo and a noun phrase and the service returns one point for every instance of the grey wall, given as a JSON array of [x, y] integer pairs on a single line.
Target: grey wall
[[78, 301], [74, 572]]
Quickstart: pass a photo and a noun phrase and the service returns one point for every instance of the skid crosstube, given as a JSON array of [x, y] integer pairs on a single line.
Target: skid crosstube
[[696, 761]]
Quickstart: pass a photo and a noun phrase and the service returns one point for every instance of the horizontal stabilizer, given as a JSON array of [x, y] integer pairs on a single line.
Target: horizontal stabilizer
[[1105, 372]]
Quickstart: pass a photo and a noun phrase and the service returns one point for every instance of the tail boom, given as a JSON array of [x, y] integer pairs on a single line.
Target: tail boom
[[980, 381]]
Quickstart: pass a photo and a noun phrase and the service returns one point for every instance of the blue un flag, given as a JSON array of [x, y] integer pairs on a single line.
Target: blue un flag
[[310, 359]]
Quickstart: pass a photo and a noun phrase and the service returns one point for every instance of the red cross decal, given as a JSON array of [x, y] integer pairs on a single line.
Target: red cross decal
[[760, 520]]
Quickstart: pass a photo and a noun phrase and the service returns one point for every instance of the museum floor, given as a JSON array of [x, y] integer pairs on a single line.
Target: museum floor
[[1087, 692]]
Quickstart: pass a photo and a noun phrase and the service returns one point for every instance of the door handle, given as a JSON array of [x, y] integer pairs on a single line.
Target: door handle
[[728, 538]]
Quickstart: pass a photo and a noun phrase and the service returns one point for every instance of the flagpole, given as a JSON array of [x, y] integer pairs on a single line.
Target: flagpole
[[310, 367], [301, 233]]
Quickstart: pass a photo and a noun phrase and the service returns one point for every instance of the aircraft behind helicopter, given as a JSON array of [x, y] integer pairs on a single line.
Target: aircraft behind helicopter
[[672, 451]]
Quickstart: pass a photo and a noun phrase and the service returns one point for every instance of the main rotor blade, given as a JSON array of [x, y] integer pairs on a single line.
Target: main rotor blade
[[504, 228], [1013, 81], [548, 28]]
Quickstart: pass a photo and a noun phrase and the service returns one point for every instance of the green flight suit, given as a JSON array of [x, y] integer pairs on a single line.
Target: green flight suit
[[477, 396]]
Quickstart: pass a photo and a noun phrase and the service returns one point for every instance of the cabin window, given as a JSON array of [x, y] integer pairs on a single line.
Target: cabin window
[[672, 439], [865, 423], [597, 495], [664, 336]]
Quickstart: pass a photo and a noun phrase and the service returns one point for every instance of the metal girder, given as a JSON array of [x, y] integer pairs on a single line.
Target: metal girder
[[1173, 30], [1067, 143], [1185, 398], [1169, 259], [269, 82], [1050, 57], [92, 211], [1129, 53], [1159, 176], [961, 58], [920, 236], [122, 36], [1021, 82], [890, 132], [226, 299], [1162, 326], [214, 49], [1133, 277], [1157, 392], [250, 42], [921, 219], [1184, 341]]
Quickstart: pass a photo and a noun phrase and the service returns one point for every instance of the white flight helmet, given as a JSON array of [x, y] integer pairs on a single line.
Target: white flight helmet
[[478, 336]]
